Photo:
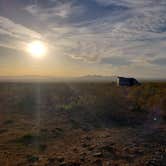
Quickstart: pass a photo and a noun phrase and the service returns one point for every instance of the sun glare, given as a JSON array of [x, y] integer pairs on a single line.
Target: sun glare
[[37, 49]]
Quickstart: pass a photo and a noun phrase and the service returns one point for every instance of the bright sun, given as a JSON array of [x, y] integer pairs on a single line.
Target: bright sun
[[37, 49]]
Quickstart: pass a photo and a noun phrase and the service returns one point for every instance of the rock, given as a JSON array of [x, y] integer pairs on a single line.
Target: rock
[[75, 149], [108, 148], [107, 163], [51, 160], [97, 154], [73, 164], [84, 145], [32, 159], [87, 138], [140, 152], [82, 158], [97, 162], [83, 154], [60, 159], [90, 148], [151, 163], [69, 164], [63, 163]]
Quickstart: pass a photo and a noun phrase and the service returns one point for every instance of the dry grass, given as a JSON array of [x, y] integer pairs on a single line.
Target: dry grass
[[82, 124]]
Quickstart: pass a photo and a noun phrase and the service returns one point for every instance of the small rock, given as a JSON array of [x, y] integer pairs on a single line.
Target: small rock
[[63, 163], [97, 154], [84, 145], [108, 148], [73, 164], [87, 138], [75, 149], [97, 162], [32, 159], [91, 148], [51, 160], [82, 154], [60, 159], [82, 158]]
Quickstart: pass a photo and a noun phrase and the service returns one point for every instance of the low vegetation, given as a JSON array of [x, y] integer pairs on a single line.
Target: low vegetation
[[82, 124]]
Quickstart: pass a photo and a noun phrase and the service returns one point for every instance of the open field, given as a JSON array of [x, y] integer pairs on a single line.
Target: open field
[[72, 124]]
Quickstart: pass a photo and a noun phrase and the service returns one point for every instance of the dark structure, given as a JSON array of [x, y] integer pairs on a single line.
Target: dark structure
[[122, 81]]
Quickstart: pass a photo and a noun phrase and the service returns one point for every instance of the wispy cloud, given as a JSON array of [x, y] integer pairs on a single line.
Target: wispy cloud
[[13, 34], [135, 32], [8, 27], [159, 61], [60, 10], [139, 30], [116, 61], [119, 33]]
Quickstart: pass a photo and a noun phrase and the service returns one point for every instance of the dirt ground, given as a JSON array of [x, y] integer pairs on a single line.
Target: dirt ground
[[47, 136]]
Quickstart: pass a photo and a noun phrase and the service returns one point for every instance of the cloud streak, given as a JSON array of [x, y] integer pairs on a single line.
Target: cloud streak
[[13, 34], [131, 33], [8, 27], [60, 10]]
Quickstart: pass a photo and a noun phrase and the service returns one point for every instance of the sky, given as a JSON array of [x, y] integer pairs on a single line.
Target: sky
[[84, 37]]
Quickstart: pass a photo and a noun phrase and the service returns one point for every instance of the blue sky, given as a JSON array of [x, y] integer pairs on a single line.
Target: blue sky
[[108, 37]]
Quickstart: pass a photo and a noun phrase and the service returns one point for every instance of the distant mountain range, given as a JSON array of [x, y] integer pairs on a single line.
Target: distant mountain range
[[96, 78], [86, 78]]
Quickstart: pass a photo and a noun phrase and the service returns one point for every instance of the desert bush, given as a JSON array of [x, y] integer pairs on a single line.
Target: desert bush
[[8, 122], [88, 103], [32, 158], [3, 131], [42, 147], [27, 104], [27, 139]]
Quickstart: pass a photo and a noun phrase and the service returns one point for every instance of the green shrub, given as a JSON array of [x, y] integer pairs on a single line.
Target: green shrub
[[32, 158], [28, 139], [7, 122], [42, 147]]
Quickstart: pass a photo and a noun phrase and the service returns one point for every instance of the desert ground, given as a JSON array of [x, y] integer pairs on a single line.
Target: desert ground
[[82, 124]]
